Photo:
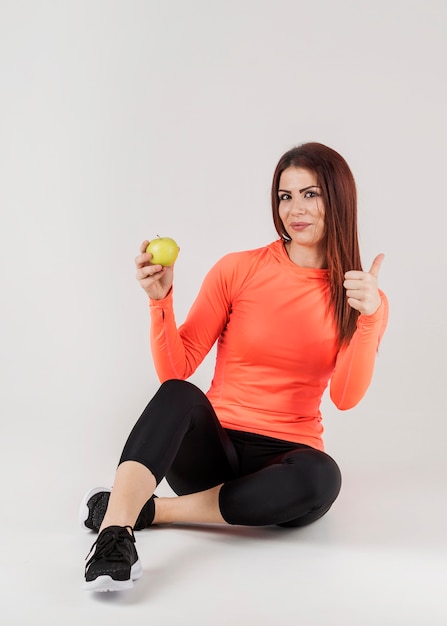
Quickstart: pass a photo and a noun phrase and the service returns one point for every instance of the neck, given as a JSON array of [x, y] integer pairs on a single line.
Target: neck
[[305, 257]]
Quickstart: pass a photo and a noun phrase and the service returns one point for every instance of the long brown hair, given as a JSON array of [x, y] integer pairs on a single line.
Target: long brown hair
[[339, 194]]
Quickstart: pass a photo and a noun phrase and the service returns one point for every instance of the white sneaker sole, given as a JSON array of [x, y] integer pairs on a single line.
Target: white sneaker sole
[[83, 509], [107, 583]]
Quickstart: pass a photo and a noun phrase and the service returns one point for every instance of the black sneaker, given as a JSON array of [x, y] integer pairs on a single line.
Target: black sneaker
[[114, 564], [94, 507]]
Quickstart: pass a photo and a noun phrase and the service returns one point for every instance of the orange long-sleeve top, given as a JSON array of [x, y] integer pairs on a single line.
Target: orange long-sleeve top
[[277, 345]]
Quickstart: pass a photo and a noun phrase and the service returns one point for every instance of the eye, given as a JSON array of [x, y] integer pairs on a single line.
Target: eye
[[284, 196], [311, 194]]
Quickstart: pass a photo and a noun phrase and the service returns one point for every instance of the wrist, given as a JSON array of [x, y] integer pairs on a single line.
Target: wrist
[[167, 296]]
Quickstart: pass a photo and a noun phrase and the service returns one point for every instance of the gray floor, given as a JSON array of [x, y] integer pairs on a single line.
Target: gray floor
[[378, 558]]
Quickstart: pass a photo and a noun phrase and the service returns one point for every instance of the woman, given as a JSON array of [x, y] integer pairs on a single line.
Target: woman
[[288, 317]]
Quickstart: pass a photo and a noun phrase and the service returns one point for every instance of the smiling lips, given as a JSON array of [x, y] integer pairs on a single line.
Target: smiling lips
[[299, 225]]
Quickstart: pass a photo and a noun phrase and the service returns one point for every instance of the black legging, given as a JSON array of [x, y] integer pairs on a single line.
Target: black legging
[[265, 480]]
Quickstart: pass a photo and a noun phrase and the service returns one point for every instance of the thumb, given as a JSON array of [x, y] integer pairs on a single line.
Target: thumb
[[375, 267]]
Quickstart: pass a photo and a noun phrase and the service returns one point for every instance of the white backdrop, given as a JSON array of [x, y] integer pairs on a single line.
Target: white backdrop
[[123, 120]]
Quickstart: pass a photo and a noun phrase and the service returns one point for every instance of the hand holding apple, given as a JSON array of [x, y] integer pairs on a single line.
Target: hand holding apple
[[156, 278]]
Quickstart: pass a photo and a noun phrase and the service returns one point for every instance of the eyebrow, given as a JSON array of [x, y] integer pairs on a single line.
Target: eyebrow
[[301, 190]]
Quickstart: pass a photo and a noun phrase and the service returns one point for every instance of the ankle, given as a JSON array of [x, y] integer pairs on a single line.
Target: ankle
[[108, 521]]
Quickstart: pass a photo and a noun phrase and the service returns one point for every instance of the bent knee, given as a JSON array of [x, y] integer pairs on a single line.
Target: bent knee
[[177, 394], [173, 388], [319, 472], [172, 384]]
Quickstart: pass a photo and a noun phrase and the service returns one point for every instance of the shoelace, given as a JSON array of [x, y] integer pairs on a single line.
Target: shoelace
[[110, 546]]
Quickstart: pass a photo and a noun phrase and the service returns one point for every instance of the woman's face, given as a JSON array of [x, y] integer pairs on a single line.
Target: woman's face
[[301, 210]]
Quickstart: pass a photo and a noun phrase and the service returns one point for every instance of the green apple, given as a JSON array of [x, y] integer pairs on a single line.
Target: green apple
[[164, 251]]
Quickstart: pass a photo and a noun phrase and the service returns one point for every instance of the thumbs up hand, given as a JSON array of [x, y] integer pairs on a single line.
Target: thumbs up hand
[[361, 288]]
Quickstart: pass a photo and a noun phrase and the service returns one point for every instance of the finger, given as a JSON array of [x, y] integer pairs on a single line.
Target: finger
[[353, 284], [143, 259], [149, 271], [354, 293], [354, 275], [144, 245], [355, 304], [375, 267]]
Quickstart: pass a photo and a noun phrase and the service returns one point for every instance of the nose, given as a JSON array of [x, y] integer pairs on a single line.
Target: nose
[[297, 207]]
